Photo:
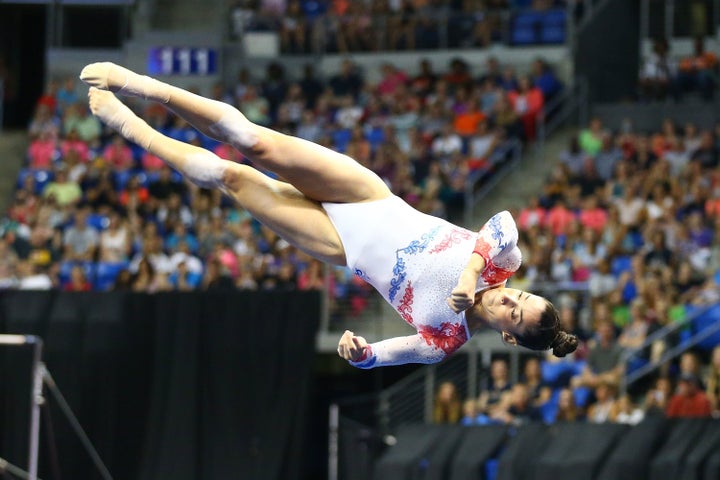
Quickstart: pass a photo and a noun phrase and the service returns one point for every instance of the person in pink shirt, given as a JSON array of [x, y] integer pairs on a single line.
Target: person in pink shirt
[[73, 142], [592, 216], [151, 163], [42, 151], [118, 154], [559, 218], [392, 79], [532, 215]]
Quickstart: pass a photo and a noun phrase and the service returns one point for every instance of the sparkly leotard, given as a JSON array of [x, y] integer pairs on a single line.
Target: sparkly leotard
[[414, 260]]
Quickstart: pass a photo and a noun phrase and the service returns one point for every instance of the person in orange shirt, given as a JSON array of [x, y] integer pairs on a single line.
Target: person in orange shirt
[[698, 71], [466, 122]]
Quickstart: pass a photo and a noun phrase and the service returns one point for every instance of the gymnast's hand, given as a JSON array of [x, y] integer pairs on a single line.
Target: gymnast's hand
[[463, 295], [351, 347]]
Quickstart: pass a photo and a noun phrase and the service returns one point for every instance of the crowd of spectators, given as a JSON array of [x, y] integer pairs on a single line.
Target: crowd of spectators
[[633, 216], [304, 26], [692, 392], [664, 76], [92, 212]]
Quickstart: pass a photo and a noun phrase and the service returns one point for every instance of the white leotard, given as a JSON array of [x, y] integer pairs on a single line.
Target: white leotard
[[414, 260]]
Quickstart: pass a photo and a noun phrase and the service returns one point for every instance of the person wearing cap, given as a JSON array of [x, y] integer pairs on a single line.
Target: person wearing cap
[[689, 399]]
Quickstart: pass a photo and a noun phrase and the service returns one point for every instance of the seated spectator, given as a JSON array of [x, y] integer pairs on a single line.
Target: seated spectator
[[80, 240], [31, 277], [312, 277], [689, 399], [43, 123], [698, 72], [591, 138], [657, 398], [134, 194], [627, 412], [147, 279], [528, 101], [470, 414], [182, 279], [603, 362], [66, 95], [545, 79], [78, 281], [538, 391], [216, 277], [633, 335], [293, 29], [605, 408], [658, 74], [481, 146], [498, 385], [72, 143], [165, 185], [88, 127], [115, 241], [118, 154], [446, 407], [64, 192], [519, 408], [447, 143], [568, 410], [42, 152], [506, 118]]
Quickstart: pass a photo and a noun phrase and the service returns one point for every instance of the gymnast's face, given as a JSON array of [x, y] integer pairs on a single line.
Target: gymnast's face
[[510, 311]]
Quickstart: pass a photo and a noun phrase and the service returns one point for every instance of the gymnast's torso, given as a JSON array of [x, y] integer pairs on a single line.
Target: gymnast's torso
[[414, 260]]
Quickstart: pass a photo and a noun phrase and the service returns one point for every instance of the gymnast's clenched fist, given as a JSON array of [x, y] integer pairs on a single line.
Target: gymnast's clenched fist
[[351, 347]]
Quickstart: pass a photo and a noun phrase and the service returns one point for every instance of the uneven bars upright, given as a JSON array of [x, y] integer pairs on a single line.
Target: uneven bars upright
[[35, 395]]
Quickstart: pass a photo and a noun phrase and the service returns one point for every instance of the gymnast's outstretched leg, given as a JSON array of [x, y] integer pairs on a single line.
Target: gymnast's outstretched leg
[[298, 219], [320, 173]]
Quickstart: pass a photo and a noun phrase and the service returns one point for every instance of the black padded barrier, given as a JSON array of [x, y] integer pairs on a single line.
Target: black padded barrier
[[578, 450], [630, 459], [521, 453], [479, 445], [706, 445], [667, 464], [409, 456]]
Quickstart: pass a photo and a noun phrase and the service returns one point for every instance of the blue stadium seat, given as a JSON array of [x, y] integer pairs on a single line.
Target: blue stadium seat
[[42, 178], [524, 36], [552, 34], [707, 319], [98, 222], [620, 264], [313, 8], [582, 396], [549, 409], [556, 17], [557, 374], [521, 3], [341, 138], [106, 273], [122, 179], [375, 136]]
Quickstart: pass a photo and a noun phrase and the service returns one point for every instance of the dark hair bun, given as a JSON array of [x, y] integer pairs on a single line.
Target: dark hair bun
[[564, 343]]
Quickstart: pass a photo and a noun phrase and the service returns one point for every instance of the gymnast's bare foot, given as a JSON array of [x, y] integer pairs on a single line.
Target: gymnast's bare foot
[[112, 77]]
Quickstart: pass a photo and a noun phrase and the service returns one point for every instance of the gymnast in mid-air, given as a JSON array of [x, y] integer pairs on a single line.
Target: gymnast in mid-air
[[445, 281]]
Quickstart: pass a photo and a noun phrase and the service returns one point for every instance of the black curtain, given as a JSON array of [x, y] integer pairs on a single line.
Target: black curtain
[[181, 386]]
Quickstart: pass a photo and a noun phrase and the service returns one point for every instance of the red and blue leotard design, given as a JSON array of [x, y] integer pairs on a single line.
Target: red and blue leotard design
[[414, 260]]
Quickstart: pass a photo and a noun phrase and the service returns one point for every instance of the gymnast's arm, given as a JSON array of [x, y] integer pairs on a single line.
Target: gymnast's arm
[[393, 351]]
